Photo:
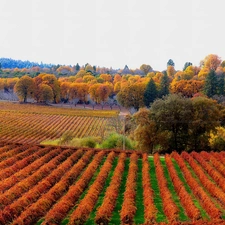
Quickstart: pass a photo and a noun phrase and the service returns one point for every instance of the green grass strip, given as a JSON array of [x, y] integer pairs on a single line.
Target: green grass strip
[[182, 214], [66, 220], [160, 217], [204, 214], [139, 216], [102, 195], [116, 213]]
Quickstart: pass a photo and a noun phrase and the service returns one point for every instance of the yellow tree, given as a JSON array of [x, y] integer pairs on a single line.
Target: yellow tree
[[11, 82], [179, 75], [2, 84], [117, 78], [52, 81], [106, 77], [187, 88], [79, 80], [73, 92], [81, 74], [134, 79], [212, 61], [132, 95], [190, 72], [24, 88], [170, 71], [157, 78], [64, 90], [93, 91], [37, 91], [88, 78], [203, 73], [46, 93], [151, 74], [82, 91], [104, 90], [88, 67], [117, 87]]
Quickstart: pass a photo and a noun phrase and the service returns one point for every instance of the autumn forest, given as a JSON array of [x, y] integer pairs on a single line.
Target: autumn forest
[[182, 110]]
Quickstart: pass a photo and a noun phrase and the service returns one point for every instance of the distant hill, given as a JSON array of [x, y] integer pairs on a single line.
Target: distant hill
[[8, 63]]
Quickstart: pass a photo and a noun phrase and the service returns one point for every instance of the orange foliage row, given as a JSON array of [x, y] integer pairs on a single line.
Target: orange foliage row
[[47, 200], [12, 152], [25, 172], [169, 207], [105, 211], [128, 209], [208, 184], [214, 161], [20, 161], [86, 205], [5, 147], [186, 200], [149, 207], [46, 127], [62, 207], [7, 107], [12, 211], [45, 184], [24, 185], [199, 192]]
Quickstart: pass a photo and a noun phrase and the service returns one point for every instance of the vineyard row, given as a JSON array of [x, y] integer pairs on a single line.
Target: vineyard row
[[53, 185]]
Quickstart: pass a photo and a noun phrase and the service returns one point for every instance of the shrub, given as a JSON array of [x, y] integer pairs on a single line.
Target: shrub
[[88, 142], [115, 140]]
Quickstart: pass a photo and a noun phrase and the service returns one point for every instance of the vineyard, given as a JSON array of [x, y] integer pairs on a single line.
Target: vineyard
[[33, 124], [58, 185]]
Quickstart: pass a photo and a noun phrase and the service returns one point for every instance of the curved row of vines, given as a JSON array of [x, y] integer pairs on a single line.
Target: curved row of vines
[[23, 123]]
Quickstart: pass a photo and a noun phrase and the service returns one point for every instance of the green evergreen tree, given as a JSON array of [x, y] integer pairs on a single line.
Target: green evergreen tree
[[221, 85], [164, 85], [210, 87], [77, 67], [187, 64], [151, 93], [170, 63]]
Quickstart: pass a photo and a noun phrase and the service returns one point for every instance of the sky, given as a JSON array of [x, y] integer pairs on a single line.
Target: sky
[[112, 33]]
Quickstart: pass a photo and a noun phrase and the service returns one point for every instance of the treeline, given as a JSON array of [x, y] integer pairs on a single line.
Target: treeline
[[8, 63], [133, 88], [196, 90], [16, 68]]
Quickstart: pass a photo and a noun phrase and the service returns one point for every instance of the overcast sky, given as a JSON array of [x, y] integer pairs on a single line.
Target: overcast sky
[[112, 33]]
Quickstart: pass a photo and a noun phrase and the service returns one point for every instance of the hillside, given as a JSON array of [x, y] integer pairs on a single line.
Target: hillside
[[49, 185], [29, 123], [59, 185]]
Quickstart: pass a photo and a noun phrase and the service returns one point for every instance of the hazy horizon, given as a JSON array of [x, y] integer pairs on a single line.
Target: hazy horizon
[[112, 33]]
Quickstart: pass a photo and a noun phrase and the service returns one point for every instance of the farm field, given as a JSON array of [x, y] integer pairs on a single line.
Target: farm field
[[26, 123], [59, 185]]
